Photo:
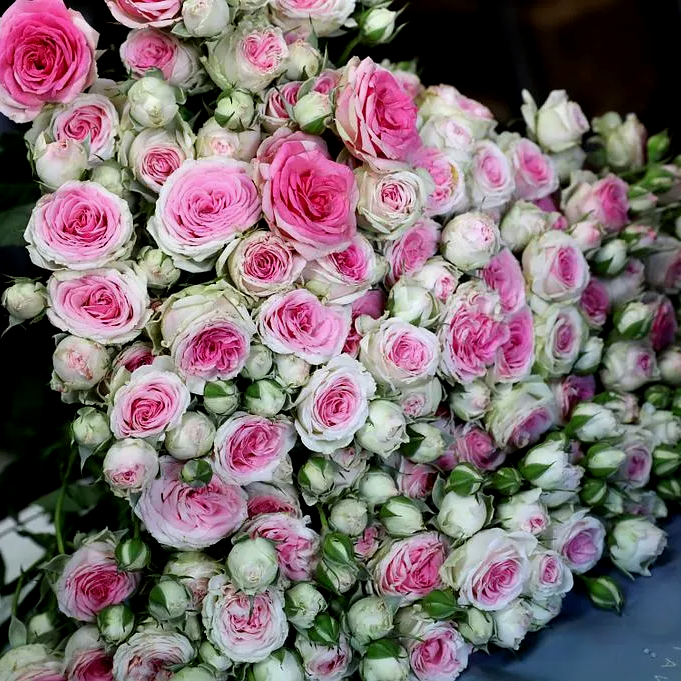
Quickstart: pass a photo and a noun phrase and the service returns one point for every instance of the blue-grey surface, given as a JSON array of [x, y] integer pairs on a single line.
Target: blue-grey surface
[[585, 644]]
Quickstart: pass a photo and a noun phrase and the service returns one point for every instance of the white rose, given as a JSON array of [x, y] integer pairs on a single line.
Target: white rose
[[401, 517], [252, 564], [378, 25], [25, 299], [471, 401], [477, 627], [624, 141], [129, 466], [303, 603], [490, 177], [511, 624], [281, 666], [548, 466], [151, 652], [635, 544], [663, 425], [592, 422], [384, 429], [349, 516], [205, 18], [91, 428], [522, 223], [470, 240], [590, 357], [390, 662], [151, 102], [214, 140], [413, 303], [376, 487], [324, 18], [80, 363], [369, 619], [192, 438], [462, 517], [560, 333], [312, 112], [629, 365], [59, 162], [305, 60], [420, 401], [291, 371], [523, 513], [451, 134]]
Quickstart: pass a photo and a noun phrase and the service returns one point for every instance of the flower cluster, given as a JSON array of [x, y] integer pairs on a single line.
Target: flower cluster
[[342, 290]]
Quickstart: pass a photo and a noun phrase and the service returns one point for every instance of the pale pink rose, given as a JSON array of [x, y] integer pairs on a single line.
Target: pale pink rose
[[472, 333], [79, 226], [476, 446], [409, 82], [550, 575], [152, 654], [450, 135], [665, 326], [195, 570], [606, 201], [327, 81], [322, 662], [324, 17], [571, 391], [47, 55], [202, 206], [439, 653], [278, 103], [588, 234], [407, 254], [449, 193], [184, 517], [637, 466], [265, 498], [133, 357], [416, 480], [579, 539], [298, 323], [148, 48], [371, 304], [504, 275], [31, 662], [109, 305], [534, 172], [490, 176], [139, 13], [214, 140], [369, 542], [663, 268], [88, 662], [296, 544], [532, 426], [251, 448], [92, 118], [375, 118], [91, 580], [594, 303], [309, 199], [153, 400], [129, 466], [410, 568]]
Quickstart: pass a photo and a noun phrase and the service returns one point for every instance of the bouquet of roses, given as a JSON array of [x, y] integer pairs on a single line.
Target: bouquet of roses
[[371, 381]]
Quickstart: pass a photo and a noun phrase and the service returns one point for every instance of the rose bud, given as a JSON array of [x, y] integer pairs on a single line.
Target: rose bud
[[385, 429], [507, 481], [560, 333], [259, 362], [666, 460], [590, 357], [208, 655], [337, 578], [522, 223], [193, 438], [169, 600], [465, 479], [282, 665], [523, 513], [25, 299], [675, 405], [412, 303], [604, 460], [377, 26], [43, 628], [221, 397], [253, 565], [80, 363], [511, 624], [132, 554], [376, 487], [548, 466], [205, 18], [476, 627], [577, 537], [670, 489], [425, 444], [159, 268], [401, 517], [91, 428], [110, 175], [316, 476], [129, 466], [471, 401], [325, 630], [587, 234], [663, 425], [193, 674], [264, 398], [291, 371], [633, 320], [470, 240], [369, 619], [349, 516], [593, 492], [609, 260], [303, 603], [59, 162], [235, 110], [115, 623], [592, 422], [461, 517], [628, 366], [304, 60], [624, 141], [152, 103], [384, 660], [669, 363], [623, 405], [635, 544], [421, 401], [312, 112], [604, 593]]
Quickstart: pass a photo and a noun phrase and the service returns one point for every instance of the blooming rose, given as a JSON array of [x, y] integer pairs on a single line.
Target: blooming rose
[[85, 657], [369, 542], [407, 254], [469, 240], [133, 356], [307, 198], [523, 512], [275, 110], [629, 365], [324, 17], [605, 201], [490, 178], [572, 390], [471, 334], [475, 445], [448, 101], [265, 498], [438, 653], [371, 305], [549, 575], [439, 277], [560, 333], [32, 662], [296, 544], [251, 448], [244, 628], [416, 480], [449, 192], [150, 654], [375, 118], [635, 544], [663, 268], [490, 569], [298, 323], [410, 567], [534, 172], [346, 275], [334, 405], [91, 580], [214, 140], [47, 54], [129, 466], [516, 356], [504, 275], [139, 13], [322, 662], [555, 268], [185, 517], [664, 327], [108, 305], [595, 303], [203, 205], [79, 226], [578, 538]]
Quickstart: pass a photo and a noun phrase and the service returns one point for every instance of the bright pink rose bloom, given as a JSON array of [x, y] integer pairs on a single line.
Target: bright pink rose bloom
[[278, 102], [140, 13], [47, 55], [109, 305], [372, 304], [416, 480], [516, 356], [79, 226], [606, 201], [534, 172], [309, 199], [296, 544], [326, 82], [298, 323], [265, 498], [251, 448], [91, 580], [409, 252], [439, 653], [374, 116], [410, 567], [476, 446], [579, 540], [369, 542], [133, 357], [665, 326], [184, 517], [91, 664], [449, 193], [595, 303], [571, 391], [149, 48], [504, 275], [322, 662]]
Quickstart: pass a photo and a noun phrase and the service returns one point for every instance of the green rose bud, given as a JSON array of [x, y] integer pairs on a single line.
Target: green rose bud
[[193, 674], [115, 623], [465, 479], [221, 397], [594, 492], [603, 460], [325, 630], [337, 578], [169, 600], [91, 428], [476, 627], [264, 398], [660, 396], [369, 619], [666, 460], [401, 517], [507, 481], [338, 549], [215, 660], [604, 593], [592, 422], [634, 319], [303, 603], [425, 445], [316, 476], [253, 564], [384, 660], [197, 472], [281, 665], [259, 362], [132, 555], [609, 260], [349, 516], [376, 487], [43, 628], [670, 489]]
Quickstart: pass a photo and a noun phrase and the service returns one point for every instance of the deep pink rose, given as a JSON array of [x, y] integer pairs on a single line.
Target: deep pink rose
[[149, 48], [516, 356], [133, 357], [296, 544], [374, 116], [606, 201], [298, 323], [91, 580], [372, 304], [439, 653], [665, 326], [140, 13], [571, 391], [449, 193], [595, 303], [251, 448], [265, 498], [47, 54], [410, 567], [504, 275], [369, 541], [534, 172], [278, 102], [416, 480], [409, 252], [92, 664], [185, 517], [476, 446], [309, 199]]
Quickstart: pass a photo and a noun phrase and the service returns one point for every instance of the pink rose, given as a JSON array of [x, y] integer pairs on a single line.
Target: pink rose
[[534, 172], [298, 323], [606, 201], [637, 466], [663, 268], [369, 541], [410, 567], [327, 81], [439, 654], [665, 326], [371, 304], [490, 176], [296, 544], [309, 199], [133, 357], [148, 48], [416, 480], [79, 226], [152, 401], [91, 580], [451, 136], [375, 118], [31, 662], [594, 303], [322, 662], [184, 517], [550, 576], [47, 54], [324, 17], [265, 498], [475, 445], [152, 654], [516, 356], [140, 13], [86, 658], [108, 305], [504, 275], [449, 193], [277, 105], [571, 391], [251, 448], [129, 466], [407, 254], [202, 206], [579, 539]]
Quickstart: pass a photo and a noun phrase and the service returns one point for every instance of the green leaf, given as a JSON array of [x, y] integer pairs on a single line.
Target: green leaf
[[534, 470], [13, 224], [385, 648], [17, 633], [440, 604]]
